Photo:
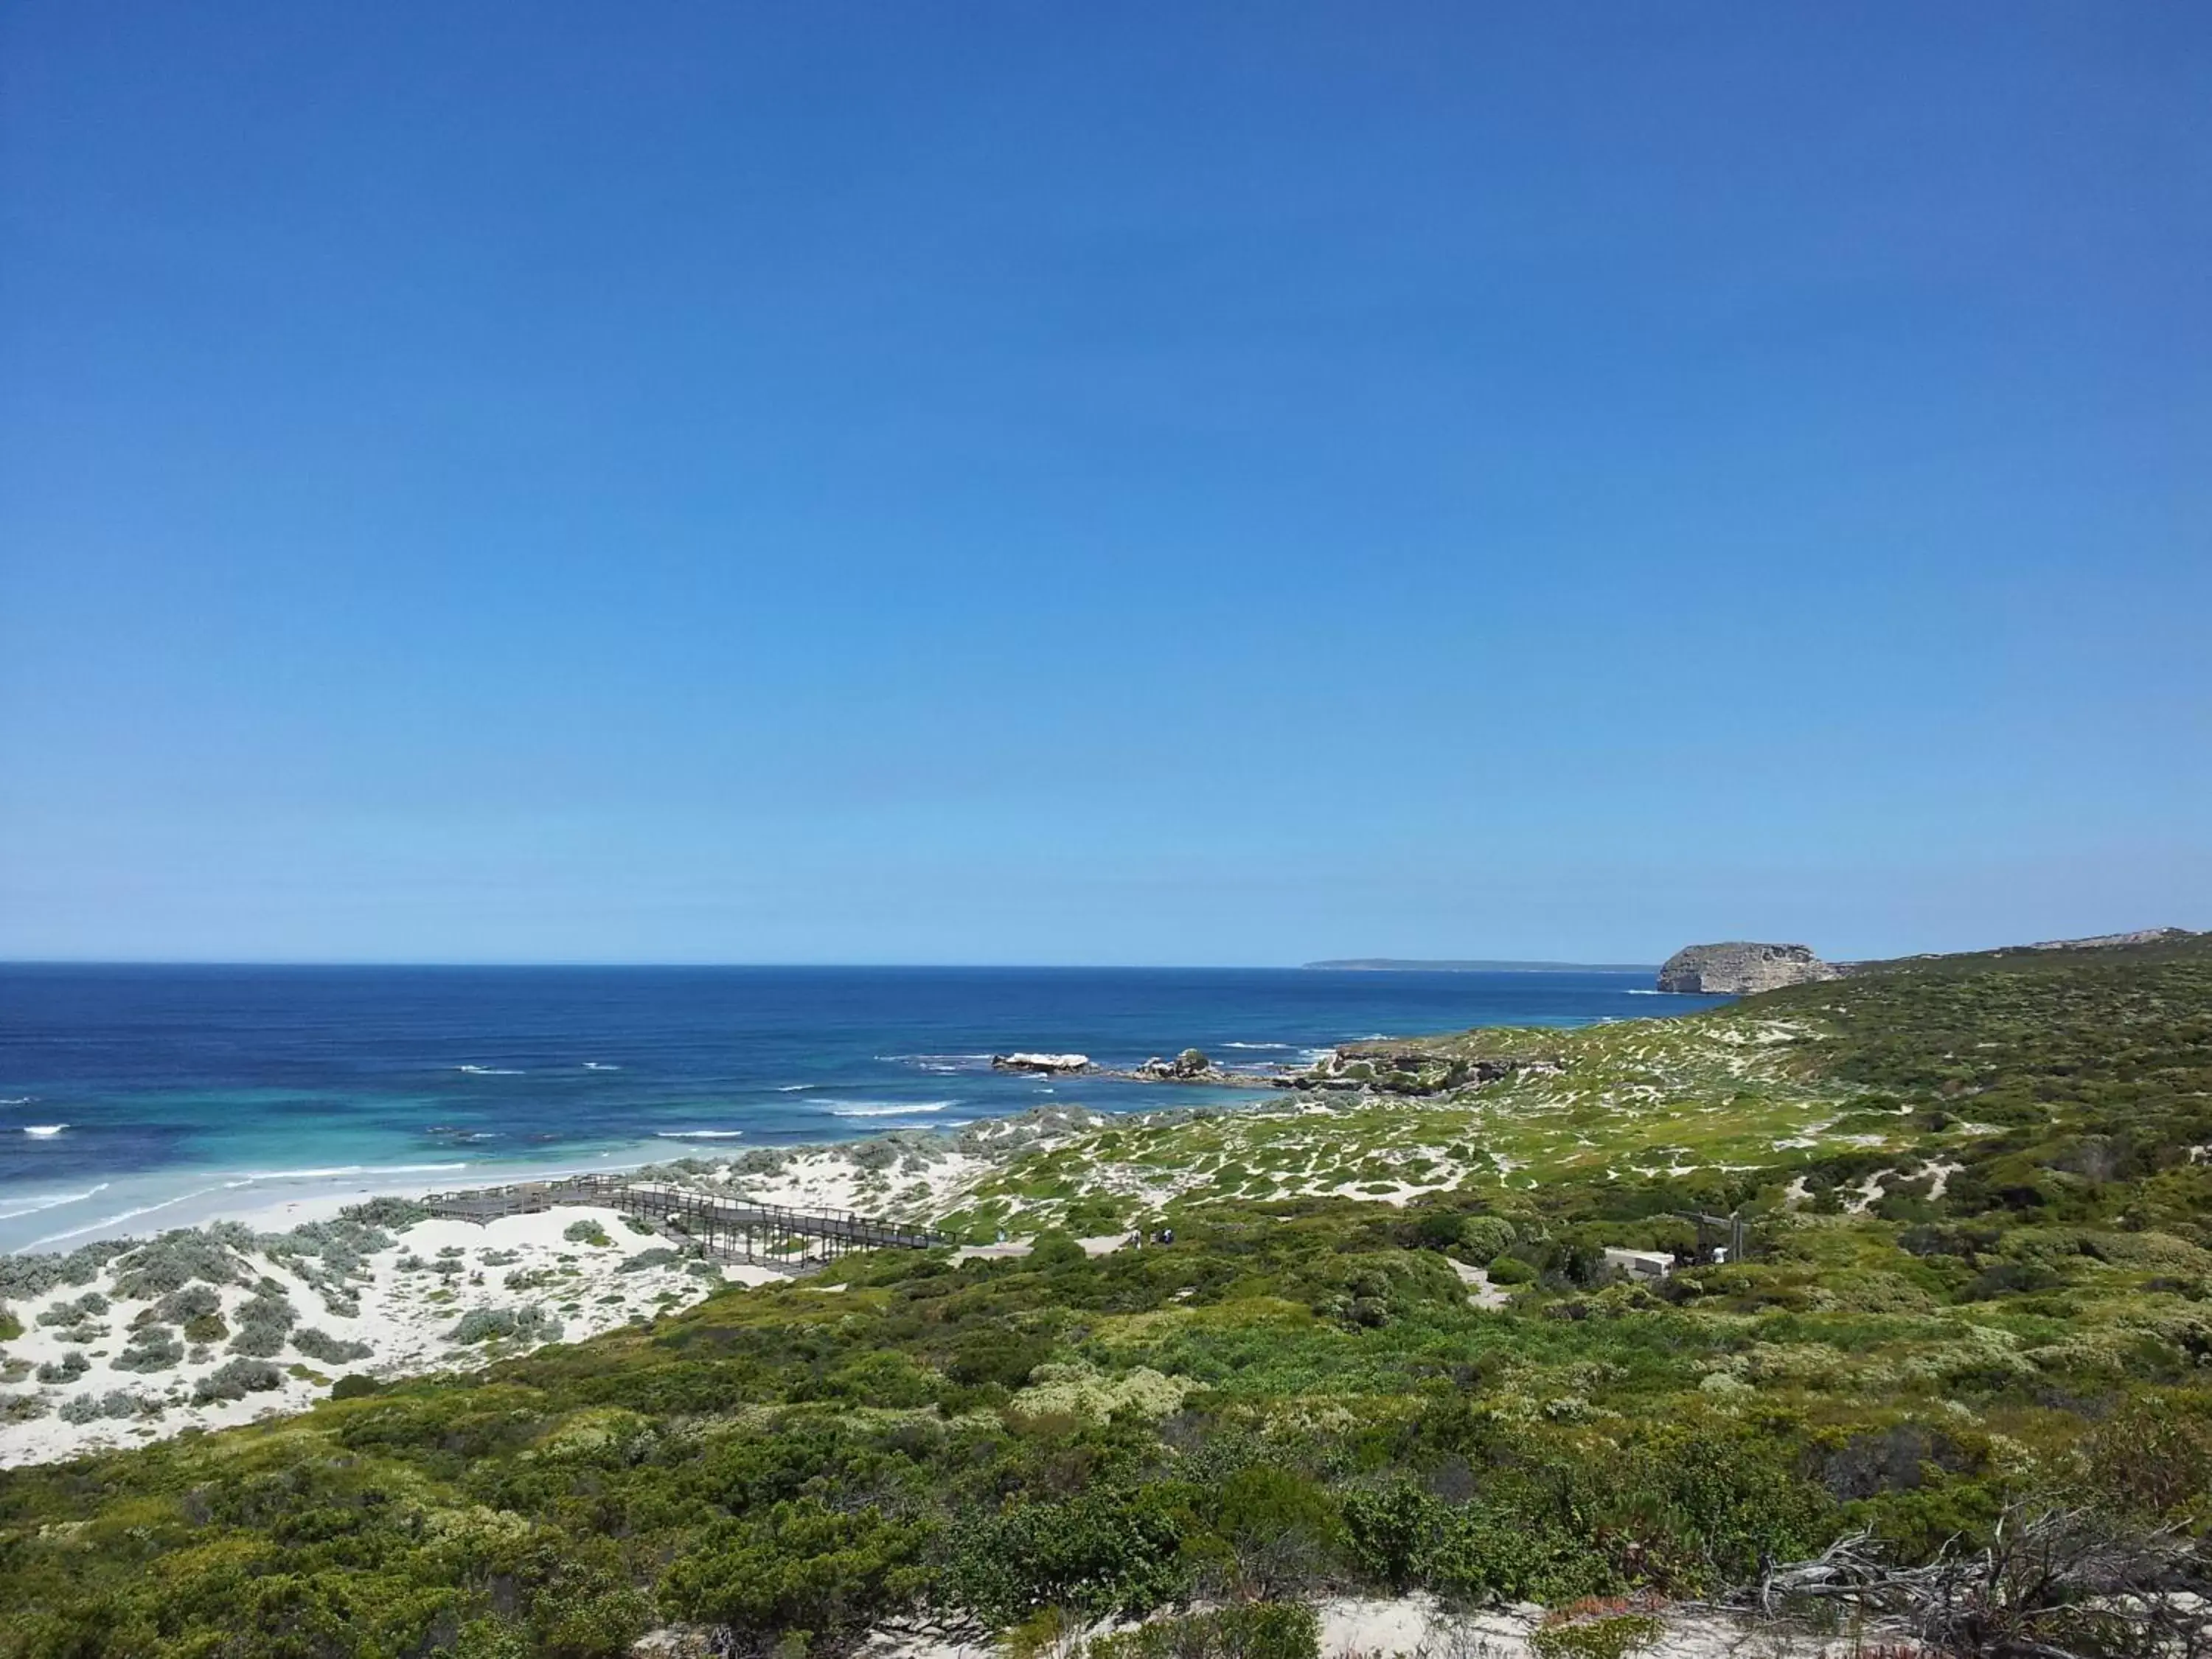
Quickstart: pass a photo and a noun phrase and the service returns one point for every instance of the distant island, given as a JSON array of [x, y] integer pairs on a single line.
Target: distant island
[[1416, 965]]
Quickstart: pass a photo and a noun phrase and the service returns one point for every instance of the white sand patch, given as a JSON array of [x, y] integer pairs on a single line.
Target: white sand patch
[[1868, 1193], [416, 1292], [1481, 1293], [914, 1187], [1001, 1252], [1406, 1627]]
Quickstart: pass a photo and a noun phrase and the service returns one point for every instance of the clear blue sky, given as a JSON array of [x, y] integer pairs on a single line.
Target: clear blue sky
[[1147, 484]]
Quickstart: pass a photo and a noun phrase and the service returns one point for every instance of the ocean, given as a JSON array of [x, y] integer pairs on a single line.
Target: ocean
[[138, 1097]]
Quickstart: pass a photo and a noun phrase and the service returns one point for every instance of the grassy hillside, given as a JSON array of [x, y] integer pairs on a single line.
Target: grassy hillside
[[1983, 1260]]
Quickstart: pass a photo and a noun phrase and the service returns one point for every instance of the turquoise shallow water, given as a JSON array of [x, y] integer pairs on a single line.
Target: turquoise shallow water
[[137, 1097]]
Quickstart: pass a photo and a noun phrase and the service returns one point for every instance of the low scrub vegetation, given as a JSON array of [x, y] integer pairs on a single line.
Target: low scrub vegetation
[[2002, 1309]]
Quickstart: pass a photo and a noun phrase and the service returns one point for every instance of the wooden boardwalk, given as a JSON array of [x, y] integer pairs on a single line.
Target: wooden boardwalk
[[730, 1228]]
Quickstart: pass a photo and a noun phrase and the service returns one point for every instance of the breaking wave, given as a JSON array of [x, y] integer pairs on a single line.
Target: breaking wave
[[40, 1202]]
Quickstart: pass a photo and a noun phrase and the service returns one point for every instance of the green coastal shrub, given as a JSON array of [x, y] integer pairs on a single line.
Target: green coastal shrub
[[586, 1231], [265, 1324], [90, 1408], [803, 1567], [1246, 1630], [151, 1349], [1607, 1636], [25, 1277], [1055, 1247], [90, 1306], [11, 1327], [1104, 1552], [235, 1379], [331, 1350], [67, 1369], [660, 1256], [1486, 1238], [193, 1302], [206, 1328], [176, 1260], [531, 1324]]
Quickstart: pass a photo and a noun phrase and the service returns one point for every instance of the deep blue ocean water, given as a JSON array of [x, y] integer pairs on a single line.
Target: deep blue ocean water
[[163, 1095]]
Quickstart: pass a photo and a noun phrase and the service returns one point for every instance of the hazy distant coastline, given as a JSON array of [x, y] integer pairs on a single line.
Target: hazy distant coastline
[[1418, 965]]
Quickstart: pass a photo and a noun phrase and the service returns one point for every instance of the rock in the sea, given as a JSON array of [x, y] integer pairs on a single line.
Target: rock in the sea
[[1041, 1064], [1738, 968], [1188, 1067]]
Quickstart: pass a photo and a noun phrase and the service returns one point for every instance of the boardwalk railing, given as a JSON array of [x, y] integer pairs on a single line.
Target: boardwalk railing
[[733, 1227]]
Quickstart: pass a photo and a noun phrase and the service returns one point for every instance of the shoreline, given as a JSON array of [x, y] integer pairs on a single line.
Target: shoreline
[[272, 1200], [259, 1302]]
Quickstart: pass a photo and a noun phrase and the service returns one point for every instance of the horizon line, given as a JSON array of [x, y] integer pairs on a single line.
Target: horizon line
[[1325, 964]]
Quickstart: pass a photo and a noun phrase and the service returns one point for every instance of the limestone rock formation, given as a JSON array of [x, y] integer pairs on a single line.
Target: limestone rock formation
[[1041, 1065], [1739, 967], [1188, 1067]]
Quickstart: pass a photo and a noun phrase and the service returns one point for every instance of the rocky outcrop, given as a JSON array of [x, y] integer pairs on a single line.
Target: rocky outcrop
[[1430, 1066], [1191, 1066], [1739, 967], [1041, 1065], [2106, 941]]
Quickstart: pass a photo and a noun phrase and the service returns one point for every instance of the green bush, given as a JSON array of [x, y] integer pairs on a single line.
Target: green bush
[[1104, 1552], [802, 1567], [331, 1350], [1055, 1247], [175, 1260], [1246, 1630], [151, 1349], [531, 1324], [1283, 1532], [1613, 1635], [1486, 1238], [235, 1379], [587, 1231]]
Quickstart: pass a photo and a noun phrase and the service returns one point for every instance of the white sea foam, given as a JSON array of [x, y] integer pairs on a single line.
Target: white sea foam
[[44, 1129], [125, 1215], [591, 1066], [489, 1070], [697, 1134], [794, 1088], [38, 1201], [1259, 1045], [941, 1064], [883, 1107], [1646, 994], [247, 1177], [18, 1100]]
